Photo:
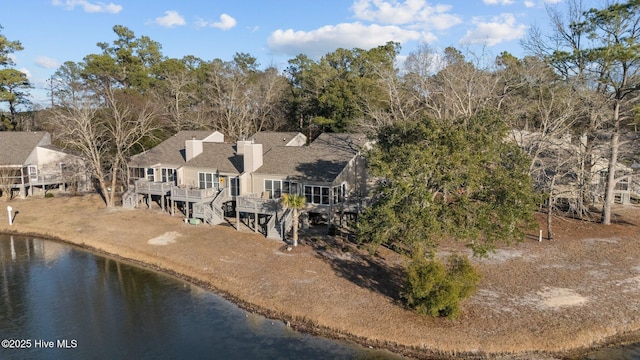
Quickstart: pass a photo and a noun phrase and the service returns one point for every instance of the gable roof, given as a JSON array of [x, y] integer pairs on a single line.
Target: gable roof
[[16, 146], [322, 161], [221, 156], [170, 151]]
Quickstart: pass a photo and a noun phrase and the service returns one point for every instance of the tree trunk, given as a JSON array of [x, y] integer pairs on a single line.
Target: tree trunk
[[103, 190], [295, 227], [613, 159], [114, 181], [550, 210]]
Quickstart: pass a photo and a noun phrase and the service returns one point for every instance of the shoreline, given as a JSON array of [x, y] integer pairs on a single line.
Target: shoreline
[[301, 325], [247, 250]]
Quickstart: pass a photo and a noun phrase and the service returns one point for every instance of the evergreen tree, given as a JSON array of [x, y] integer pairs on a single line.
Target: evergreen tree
[[457, 179], [13, 83]]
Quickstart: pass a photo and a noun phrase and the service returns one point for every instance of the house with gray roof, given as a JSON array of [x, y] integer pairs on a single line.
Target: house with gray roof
[[213, 179], [29, 161]]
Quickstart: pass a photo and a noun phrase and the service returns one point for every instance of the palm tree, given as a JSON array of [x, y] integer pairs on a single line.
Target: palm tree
[[294, 202]]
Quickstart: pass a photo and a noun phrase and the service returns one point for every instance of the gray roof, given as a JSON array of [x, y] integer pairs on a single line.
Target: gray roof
[[170, 151], [221, 156], [322, 161], [341, 141], [270, 139], [16, 146]]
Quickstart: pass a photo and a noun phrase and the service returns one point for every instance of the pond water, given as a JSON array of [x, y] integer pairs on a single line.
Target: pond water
[[626, 352], [58, 302]]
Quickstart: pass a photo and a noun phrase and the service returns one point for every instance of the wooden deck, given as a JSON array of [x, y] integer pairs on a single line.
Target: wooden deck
[[153, 188], [253, 204], [192, 195]]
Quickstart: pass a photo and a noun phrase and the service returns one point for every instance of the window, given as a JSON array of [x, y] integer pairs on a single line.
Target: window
[[208, 181], [317, 194], [339, 193], [278, 187], [150, 175], [33, 172], [168, 175], [135, 173]]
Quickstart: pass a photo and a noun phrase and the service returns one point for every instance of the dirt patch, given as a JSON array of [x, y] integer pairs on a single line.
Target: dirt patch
[[558, 297], [577, 291], [164, 239]]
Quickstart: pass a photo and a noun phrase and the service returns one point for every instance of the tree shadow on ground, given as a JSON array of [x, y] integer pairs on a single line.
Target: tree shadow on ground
[[371, 272]]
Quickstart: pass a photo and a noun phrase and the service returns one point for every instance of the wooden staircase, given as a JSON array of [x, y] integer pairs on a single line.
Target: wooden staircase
[[280, 224], [212, 212], [130, 199]]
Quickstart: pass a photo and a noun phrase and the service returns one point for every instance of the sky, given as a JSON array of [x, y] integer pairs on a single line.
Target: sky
[[55, 31]]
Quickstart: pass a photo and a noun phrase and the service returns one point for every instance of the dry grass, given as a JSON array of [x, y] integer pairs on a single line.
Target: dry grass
[[536, 298]]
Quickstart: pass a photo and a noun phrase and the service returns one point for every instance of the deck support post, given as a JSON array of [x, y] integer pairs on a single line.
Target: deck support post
[[237, 218], [255, 217]]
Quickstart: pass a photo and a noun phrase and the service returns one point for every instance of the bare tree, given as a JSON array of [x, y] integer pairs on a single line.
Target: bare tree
[[227, 94], [104, 136], [452, 84], [78, 127], [398, 103], [130, 120], [8, 177], [176, 96]]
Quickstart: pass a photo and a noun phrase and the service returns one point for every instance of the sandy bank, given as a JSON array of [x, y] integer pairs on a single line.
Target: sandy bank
[[535, 298]]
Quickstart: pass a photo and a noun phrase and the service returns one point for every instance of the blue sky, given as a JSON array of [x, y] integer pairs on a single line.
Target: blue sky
[[55, 31]]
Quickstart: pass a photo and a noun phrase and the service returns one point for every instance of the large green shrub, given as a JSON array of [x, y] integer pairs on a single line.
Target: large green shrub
[[435, 288]]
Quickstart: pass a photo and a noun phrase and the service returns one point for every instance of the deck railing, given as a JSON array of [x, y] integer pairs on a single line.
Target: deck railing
[[44, 178], [251, 203], [146, 186], [193, 195], [41, 179]]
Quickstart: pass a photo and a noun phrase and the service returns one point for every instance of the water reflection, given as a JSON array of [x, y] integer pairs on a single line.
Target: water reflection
[[627, 352], [55, 294]]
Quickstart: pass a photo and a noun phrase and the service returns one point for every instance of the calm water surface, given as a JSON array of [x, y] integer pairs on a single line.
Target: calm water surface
[[57, 302], [627, 352]]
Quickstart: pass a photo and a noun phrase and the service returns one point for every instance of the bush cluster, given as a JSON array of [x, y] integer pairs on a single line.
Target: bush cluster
[[435, 288]]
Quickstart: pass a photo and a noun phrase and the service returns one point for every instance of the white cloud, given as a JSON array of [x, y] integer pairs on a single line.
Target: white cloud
[[415, 13], [498, 2], [170, 19], [226, 22], [529, 4], [26, 72], [98, 7], [499, 29], [47, 62], [552, 1], [319, 42]]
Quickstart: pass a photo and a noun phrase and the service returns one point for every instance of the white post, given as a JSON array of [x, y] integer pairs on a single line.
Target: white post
[[540, 236], [13, 249], [9, 210]]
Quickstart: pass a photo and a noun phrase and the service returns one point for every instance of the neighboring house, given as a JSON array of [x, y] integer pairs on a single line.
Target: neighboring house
[[213, 180], [29, 161], [566, 159]]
